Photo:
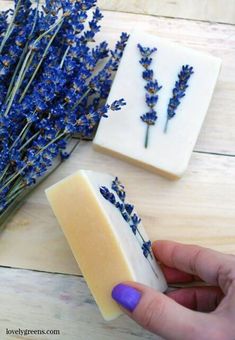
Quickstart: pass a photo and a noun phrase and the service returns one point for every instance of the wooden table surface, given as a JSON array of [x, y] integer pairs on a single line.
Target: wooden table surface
[[41, 286]]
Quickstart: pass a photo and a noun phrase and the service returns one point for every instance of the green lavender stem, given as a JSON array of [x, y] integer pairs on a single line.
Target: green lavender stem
[[22, 55], [11, 209], [166, 125], [48, 31], [14, 188], [25, 66], [4, 172], [21, 135], [7, 35], [19, 198], [30, 140], [84, 96], [81, 99], [17, 84], [10, 27], [22, 147], [64, 56], [15, 176], [42, 59], [14, 195], [26, 69], [11, 86], [147, 137]]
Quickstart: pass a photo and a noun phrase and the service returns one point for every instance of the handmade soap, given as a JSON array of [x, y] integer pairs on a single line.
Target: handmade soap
[[170, 144], [105, 235]]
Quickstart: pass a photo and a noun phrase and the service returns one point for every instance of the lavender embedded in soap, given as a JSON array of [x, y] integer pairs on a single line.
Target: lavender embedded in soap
[[119, 189], [146, 248], [152, 88], [108, 195], [127, 212], [181, 86]]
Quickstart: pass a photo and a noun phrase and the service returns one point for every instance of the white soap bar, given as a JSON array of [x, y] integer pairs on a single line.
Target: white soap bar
[[123, 133], [103, 242]]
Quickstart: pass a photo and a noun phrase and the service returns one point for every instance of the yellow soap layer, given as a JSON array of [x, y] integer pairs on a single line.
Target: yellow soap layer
[[91, 239]]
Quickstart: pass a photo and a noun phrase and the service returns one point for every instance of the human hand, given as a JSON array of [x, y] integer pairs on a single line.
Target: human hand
[[195, 313]]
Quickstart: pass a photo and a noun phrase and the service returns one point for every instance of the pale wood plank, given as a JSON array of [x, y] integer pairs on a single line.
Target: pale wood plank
[[31, 300], [207, 10], [222, 11], [197, 209]]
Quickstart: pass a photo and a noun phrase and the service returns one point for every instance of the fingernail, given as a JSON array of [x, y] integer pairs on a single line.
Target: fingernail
[[128, 297]]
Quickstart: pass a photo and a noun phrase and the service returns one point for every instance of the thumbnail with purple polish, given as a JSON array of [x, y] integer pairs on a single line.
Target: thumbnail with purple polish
[[126, 296]]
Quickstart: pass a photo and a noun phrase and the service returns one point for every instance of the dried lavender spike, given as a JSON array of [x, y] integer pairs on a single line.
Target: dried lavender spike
[[181, 86], [127, 211], [152, 89]]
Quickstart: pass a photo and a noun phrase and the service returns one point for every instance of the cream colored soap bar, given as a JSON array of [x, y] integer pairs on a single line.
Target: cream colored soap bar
[[123, 133], [102, 240]]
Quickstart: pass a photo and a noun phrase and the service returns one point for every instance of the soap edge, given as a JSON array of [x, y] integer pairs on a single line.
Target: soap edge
[[173, 177]]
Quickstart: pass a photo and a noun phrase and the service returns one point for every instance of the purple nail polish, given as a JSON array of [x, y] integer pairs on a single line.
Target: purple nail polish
[[128, 297]]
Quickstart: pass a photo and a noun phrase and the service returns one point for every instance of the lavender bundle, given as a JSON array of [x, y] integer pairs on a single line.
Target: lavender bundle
[[50, 89]]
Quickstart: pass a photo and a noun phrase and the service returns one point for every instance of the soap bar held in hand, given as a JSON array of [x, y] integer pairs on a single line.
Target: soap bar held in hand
[[105, 235]]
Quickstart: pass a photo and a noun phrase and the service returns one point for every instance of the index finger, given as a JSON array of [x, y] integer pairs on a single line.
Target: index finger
[[191, 259]]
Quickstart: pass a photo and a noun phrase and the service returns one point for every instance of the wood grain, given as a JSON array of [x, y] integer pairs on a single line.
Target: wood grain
[[207, 10], [57, 302], [222, 11]]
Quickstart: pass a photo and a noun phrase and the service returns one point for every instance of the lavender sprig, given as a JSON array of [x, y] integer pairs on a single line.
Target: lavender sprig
[[178, 92], [152, 89], [126, 210], [47, 65]]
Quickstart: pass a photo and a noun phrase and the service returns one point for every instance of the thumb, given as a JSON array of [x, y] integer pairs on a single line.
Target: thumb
[[160, 314]]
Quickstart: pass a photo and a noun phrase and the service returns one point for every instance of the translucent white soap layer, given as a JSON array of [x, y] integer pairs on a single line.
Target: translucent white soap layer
[[123, 133], [103, 243]]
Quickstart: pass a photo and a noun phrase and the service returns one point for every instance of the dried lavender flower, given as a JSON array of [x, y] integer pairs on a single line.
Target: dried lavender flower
[[152, 88], [181, 86], [126, 210]]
